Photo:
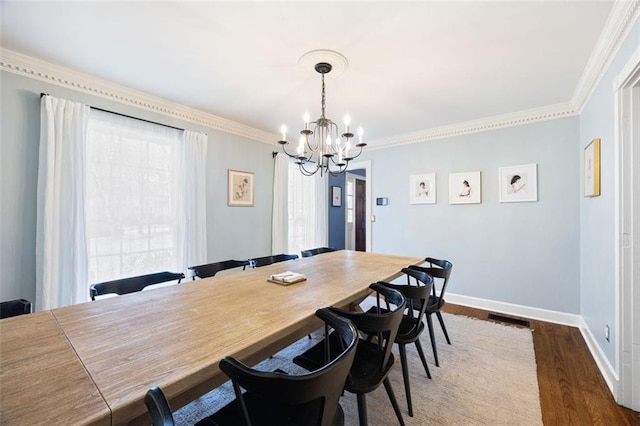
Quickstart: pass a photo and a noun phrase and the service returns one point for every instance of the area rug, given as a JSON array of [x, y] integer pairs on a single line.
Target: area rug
[[487, 376]]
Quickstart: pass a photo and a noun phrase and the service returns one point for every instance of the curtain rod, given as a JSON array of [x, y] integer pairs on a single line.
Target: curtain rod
[[128, 116]]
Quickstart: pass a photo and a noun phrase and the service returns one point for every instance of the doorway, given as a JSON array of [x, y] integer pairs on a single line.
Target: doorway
[[627, 233], [356, 211], [360, 170]]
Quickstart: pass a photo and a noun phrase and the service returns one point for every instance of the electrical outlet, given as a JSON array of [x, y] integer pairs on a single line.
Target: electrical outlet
[[606, 332]]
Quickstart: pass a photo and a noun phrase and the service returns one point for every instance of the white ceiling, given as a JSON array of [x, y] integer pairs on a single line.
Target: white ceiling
[[412, 66]]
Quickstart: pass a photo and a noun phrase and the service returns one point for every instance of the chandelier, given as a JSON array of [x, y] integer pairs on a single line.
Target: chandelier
[[321, 147]]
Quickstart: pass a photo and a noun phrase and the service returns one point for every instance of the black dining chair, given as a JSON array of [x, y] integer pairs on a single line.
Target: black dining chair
[[412, 325], [441, 270], [277, 398], [256, 262], [132, 284], [210, 269], [12, 308], [158, 407], [316, 251], [374, 359]]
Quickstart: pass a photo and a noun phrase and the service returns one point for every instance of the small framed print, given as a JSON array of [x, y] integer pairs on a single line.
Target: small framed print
[[592, 169], [465, 188], [422, 188], [336, 196], [241, 189], [518, 183]]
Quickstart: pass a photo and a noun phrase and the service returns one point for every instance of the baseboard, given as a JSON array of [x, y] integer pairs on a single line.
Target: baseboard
[[606, 369], [516, 310]]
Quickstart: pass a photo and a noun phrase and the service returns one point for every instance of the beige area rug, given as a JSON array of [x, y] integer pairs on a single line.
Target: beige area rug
[[487, 376]]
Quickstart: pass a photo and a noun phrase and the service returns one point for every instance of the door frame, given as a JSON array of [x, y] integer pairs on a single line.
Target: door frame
[[627, 235], [366, 165]]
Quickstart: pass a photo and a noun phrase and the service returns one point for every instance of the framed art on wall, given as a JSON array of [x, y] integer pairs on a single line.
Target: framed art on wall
[[592, 169], [241, 188], [336, 196], [422, 188], [465, 188], [518, 183]]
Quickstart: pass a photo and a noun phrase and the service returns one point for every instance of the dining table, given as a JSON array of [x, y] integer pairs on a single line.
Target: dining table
[[93, 362]]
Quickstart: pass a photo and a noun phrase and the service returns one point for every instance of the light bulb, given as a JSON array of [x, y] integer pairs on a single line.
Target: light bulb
[[360, 132], [347, 122], [283, 129]]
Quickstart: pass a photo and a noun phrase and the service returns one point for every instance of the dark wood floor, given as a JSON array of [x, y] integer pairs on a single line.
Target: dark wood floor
[[572, 390]]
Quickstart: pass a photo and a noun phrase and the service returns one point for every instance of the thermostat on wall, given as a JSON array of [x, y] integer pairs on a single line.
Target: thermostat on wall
[[382, 201]]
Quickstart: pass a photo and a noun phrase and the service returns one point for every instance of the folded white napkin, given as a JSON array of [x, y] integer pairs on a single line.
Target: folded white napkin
[[288, 277]]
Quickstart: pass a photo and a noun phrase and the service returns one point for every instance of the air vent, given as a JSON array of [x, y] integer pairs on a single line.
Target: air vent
[[509, 320]]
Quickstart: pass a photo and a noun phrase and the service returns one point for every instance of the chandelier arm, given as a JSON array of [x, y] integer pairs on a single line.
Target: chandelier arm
[[306, 172], [285, 151]]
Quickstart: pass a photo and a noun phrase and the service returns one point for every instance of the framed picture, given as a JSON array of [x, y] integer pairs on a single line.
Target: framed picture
[[422, 188], [518, 183], [592, 169], [465, 188], [241, 189], [336, 196]]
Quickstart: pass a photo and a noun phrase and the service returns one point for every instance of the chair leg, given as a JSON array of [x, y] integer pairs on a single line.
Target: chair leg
[[422, 357], [362, 409], [392, 397], [446, 335], [433, 340], [405, 376]]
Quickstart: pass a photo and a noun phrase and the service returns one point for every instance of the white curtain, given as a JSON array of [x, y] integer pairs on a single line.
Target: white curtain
[[307, 210], [322, 192], [195, 217], [280, 215], [61, 250]]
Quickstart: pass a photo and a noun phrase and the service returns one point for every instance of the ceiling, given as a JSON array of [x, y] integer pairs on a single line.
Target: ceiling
[[412, 66]]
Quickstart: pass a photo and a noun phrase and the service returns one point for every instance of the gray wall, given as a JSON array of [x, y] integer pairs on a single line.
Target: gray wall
[[233, 232], [597, 218], [521, 253]]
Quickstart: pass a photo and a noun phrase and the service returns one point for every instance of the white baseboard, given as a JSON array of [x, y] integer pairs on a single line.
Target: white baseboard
[[573, 320], [516, 310], [606, 369]]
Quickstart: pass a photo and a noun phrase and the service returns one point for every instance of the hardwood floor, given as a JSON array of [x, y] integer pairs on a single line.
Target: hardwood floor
[[572, 390]]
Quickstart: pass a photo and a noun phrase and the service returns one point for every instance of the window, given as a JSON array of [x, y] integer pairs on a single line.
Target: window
[[132, 198], [307, 210]]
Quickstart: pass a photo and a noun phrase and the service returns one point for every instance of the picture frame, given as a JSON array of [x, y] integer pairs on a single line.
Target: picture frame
[[592, 169], [465, 188], [422, 188], [241, 188], [336, 196], [518, 183]]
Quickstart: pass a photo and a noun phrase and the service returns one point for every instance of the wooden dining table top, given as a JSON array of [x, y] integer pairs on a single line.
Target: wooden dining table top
[[42, 380], [174, 337]]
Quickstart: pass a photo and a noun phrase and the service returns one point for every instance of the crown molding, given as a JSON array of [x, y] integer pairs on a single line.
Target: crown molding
[[490, 123], [621, 19], [18, 63]]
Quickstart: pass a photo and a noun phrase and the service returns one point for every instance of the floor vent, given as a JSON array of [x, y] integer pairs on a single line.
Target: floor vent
[[509, 320]]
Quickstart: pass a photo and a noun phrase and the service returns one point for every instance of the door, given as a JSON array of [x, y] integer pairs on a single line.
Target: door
[[360, 215]]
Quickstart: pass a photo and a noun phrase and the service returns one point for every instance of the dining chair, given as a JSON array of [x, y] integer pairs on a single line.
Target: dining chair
[[277, 398], [210, 269], [412, 325], [256, 262], [315, 251], [374, 358], [158, 407], [132, 284], [441, 270], [12, 308]]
